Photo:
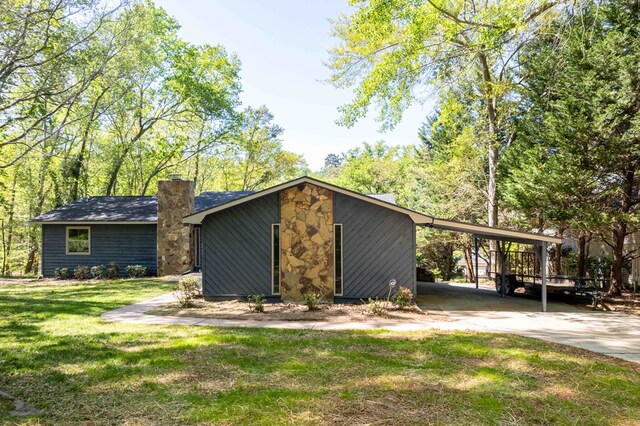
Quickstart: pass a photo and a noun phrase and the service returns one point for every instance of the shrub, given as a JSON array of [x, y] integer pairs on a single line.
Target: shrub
[[137, 271], [113, 271], [187, 289], [99, 272], [375, 307], [312, 300], [62, 273], [402, 297], [256, 302], [81, 272]]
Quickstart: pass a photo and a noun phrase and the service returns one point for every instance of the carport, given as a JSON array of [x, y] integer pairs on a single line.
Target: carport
[[501, 236]]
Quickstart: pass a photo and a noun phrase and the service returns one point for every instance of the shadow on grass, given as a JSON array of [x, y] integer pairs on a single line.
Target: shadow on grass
[[58, 356]]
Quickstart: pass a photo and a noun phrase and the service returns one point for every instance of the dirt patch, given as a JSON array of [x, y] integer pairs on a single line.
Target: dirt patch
[[628, 303], [235, 309]]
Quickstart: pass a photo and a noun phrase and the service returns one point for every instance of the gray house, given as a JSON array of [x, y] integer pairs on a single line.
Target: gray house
[[302, 236]]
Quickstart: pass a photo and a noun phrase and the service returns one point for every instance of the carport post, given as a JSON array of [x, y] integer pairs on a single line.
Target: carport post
[[543, 267]]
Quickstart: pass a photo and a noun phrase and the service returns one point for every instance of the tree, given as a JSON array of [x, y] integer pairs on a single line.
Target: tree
[[40, 42], [390, 50], [581, 128]]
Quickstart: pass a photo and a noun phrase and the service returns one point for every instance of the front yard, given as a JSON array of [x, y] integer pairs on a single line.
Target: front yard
[[59, 357]]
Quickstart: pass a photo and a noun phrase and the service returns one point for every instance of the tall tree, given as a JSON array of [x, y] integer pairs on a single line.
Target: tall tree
[[393, 50], [584, 104]]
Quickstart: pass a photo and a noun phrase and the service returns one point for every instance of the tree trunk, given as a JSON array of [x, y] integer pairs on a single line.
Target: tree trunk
[[493, 144], [582, 257], [6, 270], [557, 261], [468, 260], [617, 259]]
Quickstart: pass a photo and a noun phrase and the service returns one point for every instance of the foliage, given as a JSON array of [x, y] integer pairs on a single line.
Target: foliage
[[104, 97], [256, 302], [376, 307], [62, 273], [577, 159], [113, 270], [377, 169], [137, 271], [313, 300], [99, 272], [81, 272], [187, 289], [402, 298]]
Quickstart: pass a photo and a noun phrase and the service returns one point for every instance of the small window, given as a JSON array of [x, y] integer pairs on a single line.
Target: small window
[[78, 240], [337, 253], [275, 258]]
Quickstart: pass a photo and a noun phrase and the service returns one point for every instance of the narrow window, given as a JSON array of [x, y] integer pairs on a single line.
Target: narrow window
[[337, 253], [275, 258], [78, 240], [196, 246]]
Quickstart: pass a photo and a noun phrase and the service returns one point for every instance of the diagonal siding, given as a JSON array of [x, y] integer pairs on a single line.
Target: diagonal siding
[[379, 244], [236, 242]]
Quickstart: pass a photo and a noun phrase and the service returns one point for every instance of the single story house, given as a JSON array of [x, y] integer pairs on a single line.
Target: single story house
[[302, 236]]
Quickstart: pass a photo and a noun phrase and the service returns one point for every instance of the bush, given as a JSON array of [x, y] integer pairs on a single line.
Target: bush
[[81, 272], [256, 302], [137, 271], [62, 273], [375, 307], [99, 272], [402, 297], [113, 271], [312, 300], [187, 289]]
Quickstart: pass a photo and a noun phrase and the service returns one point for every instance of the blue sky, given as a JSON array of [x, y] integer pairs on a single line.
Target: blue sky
[[282, 45]]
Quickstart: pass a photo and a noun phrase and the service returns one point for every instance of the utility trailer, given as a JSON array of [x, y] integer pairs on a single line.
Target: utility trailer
[[521, 269]]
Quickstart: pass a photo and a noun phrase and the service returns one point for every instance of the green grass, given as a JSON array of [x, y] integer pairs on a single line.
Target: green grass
[[60, 357]]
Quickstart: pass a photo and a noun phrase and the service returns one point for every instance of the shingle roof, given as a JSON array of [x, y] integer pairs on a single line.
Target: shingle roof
[[139, 209], [105, 209], [127, 209]]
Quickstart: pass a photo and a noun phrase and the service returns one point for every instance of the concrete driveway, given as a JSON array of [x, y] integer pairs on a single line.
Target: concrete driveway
[[468, 308]]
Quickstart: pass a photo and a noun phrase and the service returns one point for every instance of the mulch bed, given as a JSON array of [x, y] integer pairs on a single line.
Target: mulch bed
[[235, 309]]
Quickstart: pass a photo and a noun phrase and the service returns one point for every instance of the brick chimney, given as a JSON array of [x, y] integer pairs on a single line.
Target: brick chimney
[[176, 199]]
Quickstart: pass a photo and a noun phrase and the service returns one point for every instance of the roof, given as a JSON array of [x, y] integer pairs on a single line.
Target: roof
[[419, 218], [126, 209], [142, 209]]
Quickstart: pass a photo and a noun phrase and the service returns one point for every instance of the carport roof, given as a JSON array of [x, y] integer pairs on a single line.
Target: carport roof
[[419, 218]]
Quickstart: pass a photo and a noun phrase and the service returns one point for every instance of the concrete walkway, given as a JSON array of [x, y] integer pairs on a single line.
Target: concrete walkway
[[613, 334]]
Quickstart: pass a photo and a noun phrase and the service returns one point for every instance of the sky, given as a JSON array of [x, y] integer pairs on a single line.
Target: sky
[[283, 46]]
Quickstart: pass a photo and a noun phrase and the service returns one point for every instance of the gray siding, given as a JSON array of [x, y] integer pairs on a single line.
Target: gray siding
[[236, 244], [123, 244], [379, 244]]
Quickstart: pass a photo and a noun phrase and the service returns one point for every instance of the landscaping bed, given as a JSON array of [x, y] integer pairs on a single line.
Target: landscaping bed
[[342, 312]]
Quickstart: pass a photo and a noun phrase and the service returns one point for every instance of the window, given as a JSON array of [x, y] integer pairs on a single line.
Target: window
[[337, 257], [275, 258], [196, 247], [78, 240]]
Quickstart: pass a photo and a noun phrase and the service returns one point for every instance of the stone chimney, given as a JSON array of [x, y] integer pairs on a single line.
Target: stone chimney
[[176, 199]]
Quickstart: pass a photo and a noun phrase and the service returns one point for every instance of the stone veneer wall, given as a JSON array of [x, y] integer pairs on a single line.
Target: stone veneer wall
[[306, 242], [176, 199]]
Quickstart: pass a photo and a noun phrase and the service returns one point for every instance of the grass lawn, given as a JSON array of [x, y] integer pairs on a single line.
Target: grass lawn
[[60, 357]]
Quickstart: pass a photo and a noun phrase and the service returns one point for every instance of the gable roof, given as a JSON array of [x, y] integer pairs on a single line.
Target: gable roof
[[419, 218], [126, 209]]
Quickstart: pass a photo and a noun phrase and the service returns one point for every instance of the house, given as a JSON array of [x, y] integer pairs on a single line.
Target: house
[[302, 236]]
